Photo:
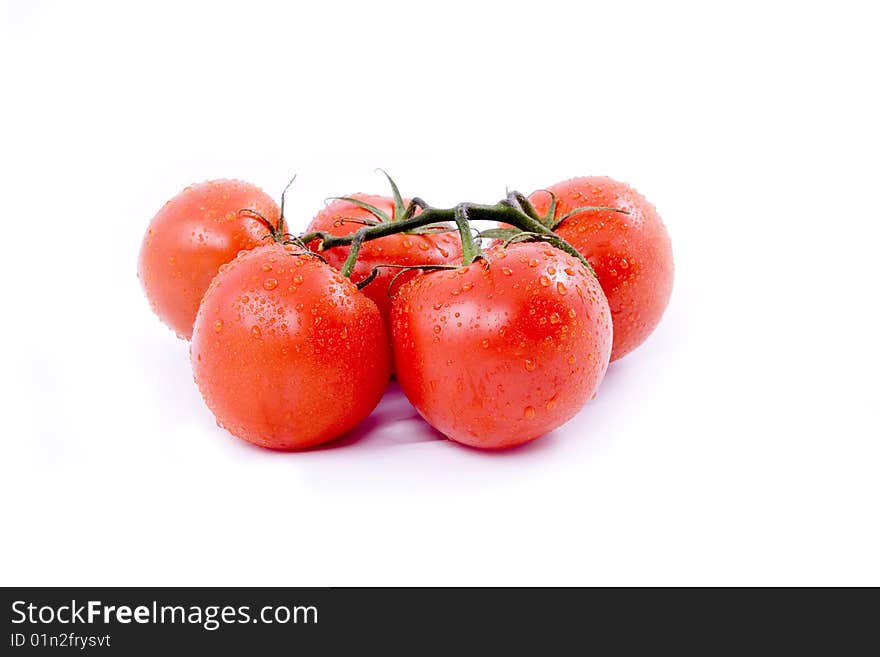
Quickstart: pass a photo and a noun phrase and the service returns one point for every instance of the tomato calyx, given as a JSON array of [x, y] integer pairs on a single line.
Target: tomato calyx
[[400, 211], [278, 232], [550, 219], [381, 215]]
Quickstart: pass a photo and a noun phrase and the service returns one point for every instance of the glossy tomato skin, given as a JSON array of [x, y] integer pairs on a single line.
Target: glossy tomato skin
[[631, 254], [188, 240], [286, 352], [496, 358], [399, 249]]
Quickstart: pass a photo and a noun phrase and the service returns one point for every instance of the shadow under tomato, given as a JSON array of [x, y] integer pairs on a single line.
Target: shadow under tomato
[[540, 444], [396, 423], [393, 423], [617, 371]]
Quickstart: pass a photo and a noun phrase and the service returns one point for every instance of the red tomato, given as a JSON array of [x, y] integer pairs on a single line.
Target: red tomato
[[285, 350], [631, 254], [496, 357], [191, 236], [400, 249]]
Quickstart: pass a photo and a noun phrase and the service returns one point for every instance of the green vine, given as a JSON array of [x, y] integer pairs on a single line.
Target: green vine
[[523, 224]]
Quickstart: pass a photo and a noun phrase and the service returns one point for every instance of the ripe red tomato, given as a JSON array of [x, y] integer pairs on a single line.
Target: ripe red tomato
[[399, 249], [496, 357], [631, 253], [191, 236], [285, 350]]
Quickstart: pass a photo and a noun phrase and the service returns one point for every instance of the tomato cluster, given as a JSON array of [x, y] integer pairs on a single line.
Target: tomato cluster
[[295, 337]]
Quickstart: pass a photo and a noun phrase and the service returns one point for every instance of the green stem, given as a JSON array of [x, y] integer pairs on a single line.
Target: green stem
[[351, 260], [429, 216], [470, 250], [462, 214]]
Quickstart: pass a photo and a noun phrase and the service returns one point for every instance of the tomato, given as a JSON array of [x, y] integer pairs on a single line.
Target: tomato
[[494, 357], [631, 253], [286, 352], [399, 249], [191, 236]]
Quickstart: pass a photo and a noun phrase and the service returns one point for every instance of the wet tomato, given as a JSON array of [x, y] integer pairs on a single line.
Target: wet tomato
[[191, 236], [495, 357], [631, 253], [286, 352]]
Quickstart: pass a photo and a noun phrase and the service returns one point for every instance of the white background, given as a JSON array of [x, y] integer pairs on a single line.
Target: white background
[[739, 445]]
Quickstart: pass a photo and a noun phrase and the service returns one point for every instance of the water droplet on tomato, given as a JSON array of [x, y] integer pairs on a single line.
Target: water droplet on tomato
[[554, 318], [506, 271], [407, 243], [485, 344], [256, 332], [560, 287], [438, 305], [467, 286], [544, 281], [529, 412], [437, 328], [267, 267], [218, 326], [530, 364], [551, 270], [270, 284]]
